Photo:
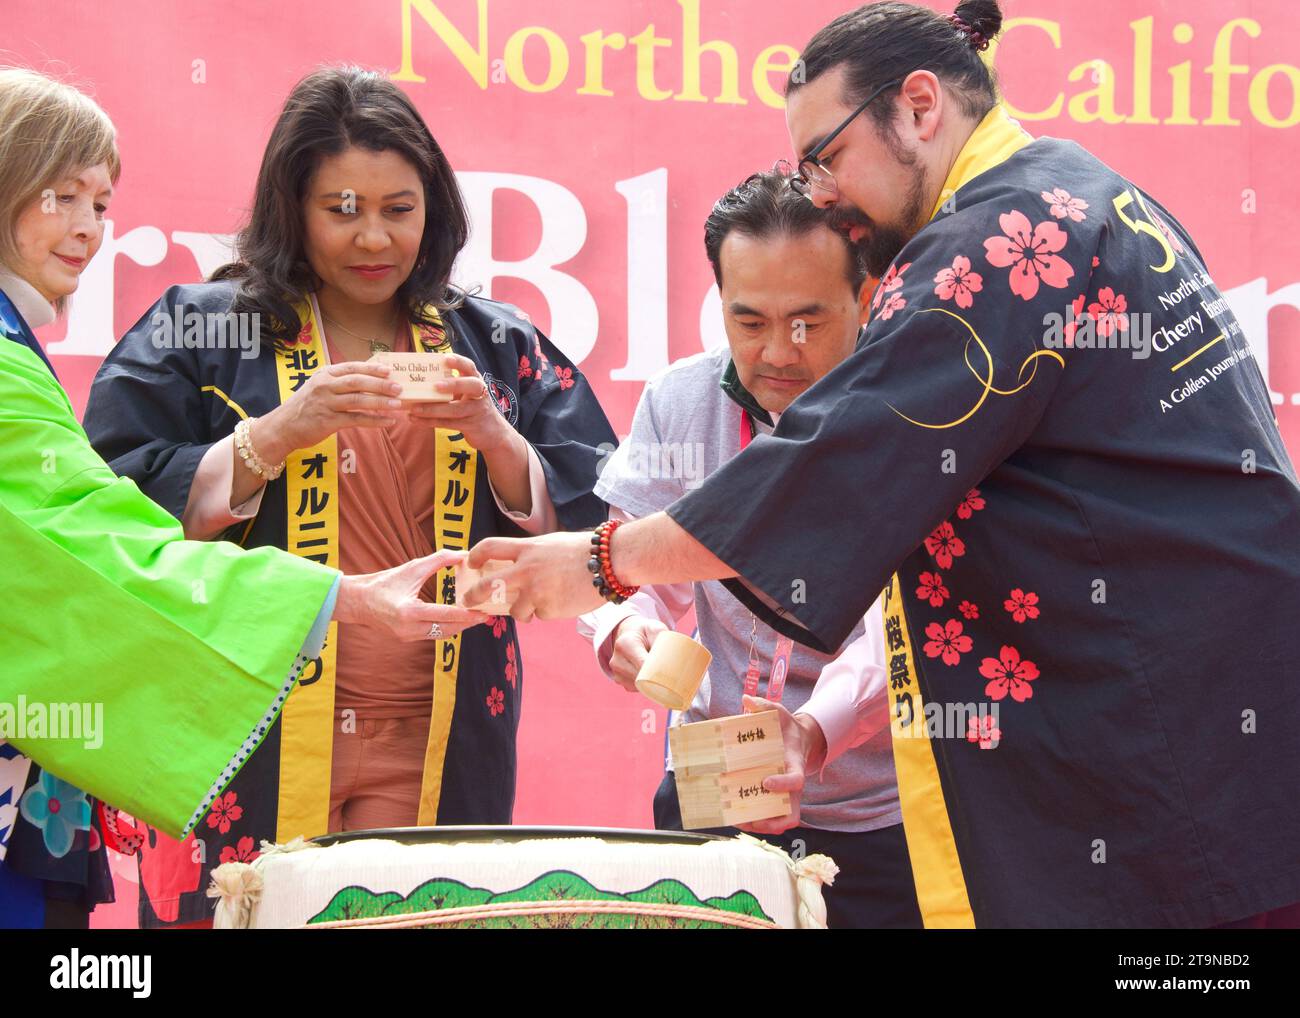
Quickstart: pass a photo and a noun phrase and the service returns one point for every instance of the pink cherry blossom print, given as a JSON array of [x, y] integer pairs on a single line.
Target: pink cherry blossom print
[[242, 852], [1030, 253], [958, 283], [947, 641], [1021, 605], [512, 666], [896, 302], [1170, 236], [984, 730], [932, 589], [1109, 311], [1072, 326], [1063, 205], [225, 812], [944, 544], [971, 504], [1009, 674], [891, 281]]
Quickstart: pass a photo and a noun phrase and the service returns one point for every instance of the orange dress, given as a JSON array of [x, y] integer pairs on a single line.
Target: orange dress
[[384, 688]]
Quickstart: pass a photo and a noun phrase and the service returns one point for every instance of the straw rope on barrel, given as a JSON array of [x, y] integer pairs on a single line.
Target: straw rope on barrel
[[510, 877]]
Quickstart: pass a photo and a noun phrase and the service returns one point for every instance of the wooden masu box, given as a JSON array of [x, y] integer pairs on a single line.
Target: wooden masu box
[[720, 766]]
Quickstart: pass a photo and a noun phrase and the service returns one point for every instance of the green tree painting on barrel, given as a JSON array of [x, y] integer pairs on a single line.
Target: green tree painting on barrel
[[354, 902]]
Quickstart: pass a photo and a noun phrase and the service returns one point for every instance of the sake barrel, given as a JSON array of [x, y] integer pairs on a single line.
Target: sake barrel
[[521, 877]]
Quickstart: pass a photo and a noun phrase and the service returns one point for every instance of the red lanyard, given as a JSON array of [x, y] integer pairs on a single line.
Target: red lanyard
[[784, 645], [780, 669], [746, 428]]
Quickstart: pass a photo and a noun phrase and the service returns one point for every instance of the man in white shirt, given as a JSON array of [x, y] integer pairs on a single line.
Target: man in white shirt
[[789, 319]]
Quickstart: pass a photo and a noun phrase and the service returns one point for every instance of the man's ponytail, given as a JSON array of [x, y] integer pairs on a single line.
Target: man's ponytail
[[884, 42], [980, 20]]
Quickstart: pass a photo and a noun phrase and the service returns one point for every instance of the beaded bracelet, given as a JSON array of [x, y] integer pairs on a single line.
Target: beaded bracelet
[[603, 578], [254, 462]]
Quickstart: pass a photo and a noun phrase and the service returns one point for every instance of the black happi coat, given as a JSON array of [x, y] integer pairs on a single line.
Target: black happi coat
[[1096, 550]]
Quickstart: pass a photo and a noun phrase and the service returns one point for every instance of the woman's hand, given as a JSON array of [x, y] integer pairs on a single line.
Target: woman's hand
[[391, 600], [348, 395], [472, 411], [352, 394]]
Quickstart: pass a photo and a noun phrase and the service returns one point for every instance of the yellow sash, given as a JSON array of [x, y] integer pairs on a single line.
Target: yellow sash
[[936, 868], [307, 721], [457, 468]]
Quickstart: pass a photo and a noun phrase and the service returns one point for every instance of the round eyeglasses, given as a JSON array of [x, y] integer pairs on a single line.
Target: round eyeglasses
[[812, 175]]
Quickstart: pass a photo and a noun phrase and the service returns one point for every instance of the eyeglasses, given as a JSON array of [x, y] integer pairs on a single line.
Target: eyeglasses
[[811, 172]]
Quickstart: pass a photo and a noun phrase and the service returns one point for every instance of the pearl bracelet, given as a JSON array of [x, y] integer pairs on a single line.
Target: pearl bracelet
[[254, 462]]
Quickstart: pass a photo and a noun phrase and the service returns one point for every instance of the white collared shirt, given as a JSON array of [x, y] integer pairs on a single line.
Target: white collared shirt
[[35, 309]]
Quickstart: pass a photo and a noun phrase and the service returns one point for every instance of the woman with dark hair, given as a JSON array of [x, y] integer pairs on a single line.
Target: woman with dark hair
[[299, 442]]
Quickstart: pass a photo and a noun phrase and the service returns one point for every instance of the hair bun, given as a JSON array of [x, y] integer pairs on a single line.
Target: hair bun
[[981, 20]]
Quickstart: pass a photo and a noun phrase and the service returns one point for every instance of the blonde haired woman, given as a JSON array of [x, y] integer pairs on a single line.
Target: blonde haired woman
[[98, 583]]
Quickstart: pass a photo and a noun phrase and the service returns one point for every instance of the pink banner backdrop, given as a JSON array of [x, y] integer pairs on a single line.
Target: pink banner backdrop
[[591, 140]]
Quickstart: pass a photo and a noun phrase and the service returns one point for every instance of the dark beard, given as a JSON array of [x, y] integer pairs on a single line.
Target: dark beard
[[880, 247], [881, 244]]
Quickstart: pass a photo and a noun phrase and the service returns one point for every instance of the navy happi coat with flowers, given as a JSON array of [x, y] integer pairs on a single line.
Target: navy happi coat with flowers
[[1054, 448], [154, 412]]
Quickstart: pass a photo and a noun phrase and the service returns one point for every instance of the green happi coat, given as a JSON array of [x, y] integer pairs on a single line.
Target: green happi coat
[[190, 647]]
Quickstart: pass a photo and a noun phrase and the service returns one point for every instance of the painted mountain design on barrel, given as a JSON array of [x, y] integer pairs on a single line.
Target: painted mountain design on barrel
[[556, 886]]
